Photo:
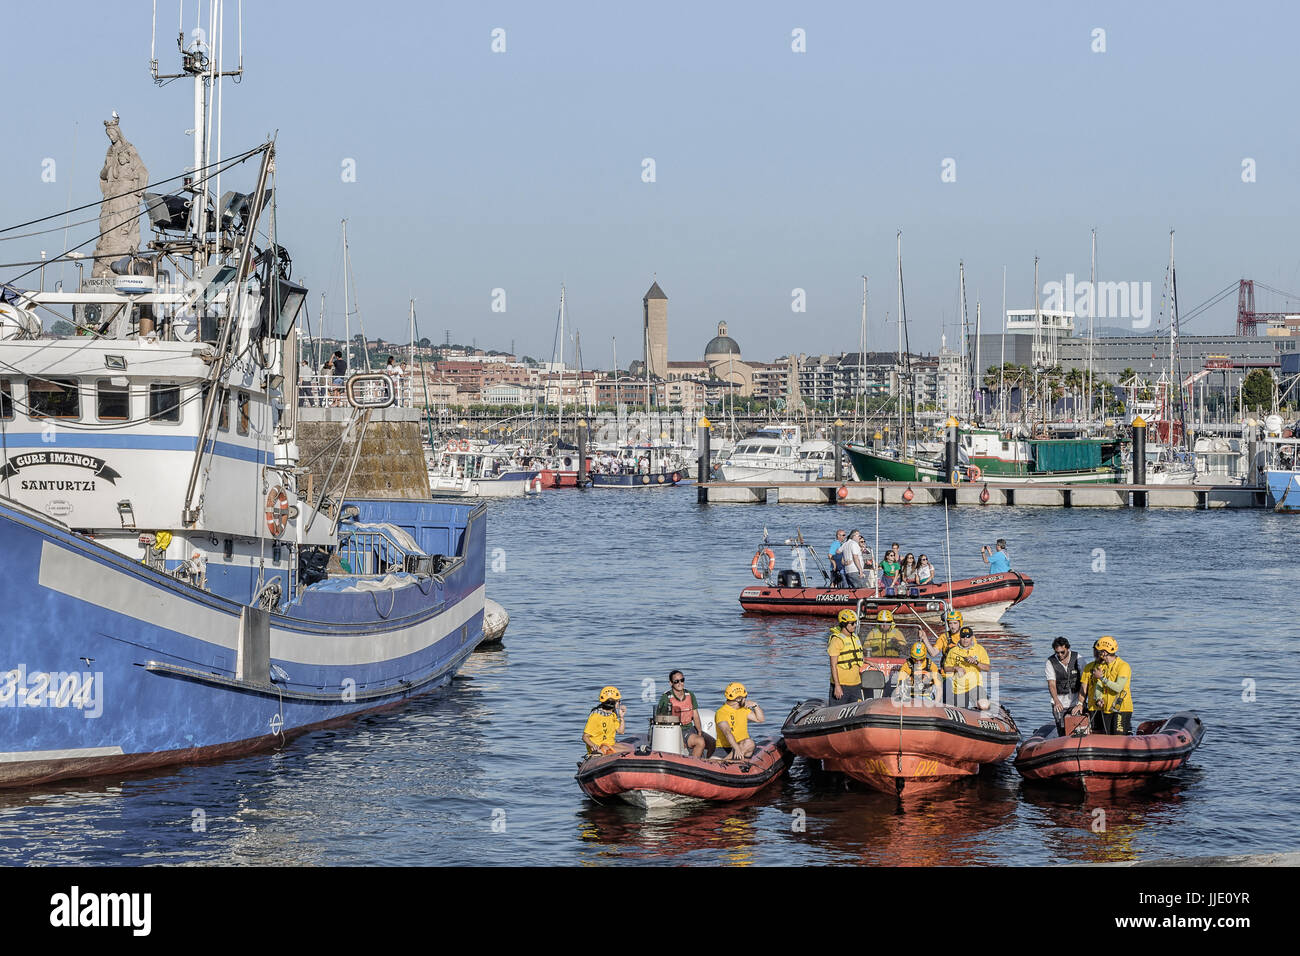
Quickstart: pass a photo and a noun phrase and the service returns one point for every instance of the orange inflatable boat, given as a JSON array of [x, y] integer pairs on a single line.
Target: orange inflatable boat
[[1108, 762], [900, 747], [662, 778]]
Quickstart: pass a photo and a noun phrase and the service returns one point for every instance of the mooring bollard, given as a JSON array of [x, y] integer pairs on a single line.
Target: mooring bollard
[[1139, 461]]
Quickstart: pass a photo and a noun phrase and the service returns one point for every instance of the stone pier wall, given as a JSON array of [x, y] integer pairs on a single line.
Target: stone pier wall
[[392, 457]]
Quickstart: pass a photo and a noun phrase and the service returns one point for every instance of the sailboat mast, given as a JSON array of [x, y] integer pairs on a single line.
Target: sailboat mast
[[347, 326], [559, 391], [978, 383], [862, 364], [1092, 312], [1002, 366], [1038, 324], [962, 405], [902, 380]]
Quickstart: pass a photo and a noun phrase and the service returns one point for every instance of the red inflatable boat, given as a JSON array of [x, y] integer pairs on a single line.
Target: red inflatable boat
[[660, 778], [980, 600], [900, 747], [1107, 762]]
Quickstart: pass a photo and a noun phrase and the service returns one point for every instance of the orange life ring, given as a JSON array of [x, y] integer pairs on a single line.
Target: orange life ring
[[771, 562], [973, 473], [464, 444], [451, 445], [277, 511]]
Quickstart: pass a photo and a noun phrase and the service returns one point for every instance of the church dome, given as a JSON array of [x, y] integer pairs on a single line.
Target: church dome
[[722, 344]]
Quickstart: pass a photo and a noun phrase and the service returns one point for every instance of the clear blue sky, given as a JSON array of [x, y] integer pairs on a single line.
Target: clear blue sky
[[775, 170]]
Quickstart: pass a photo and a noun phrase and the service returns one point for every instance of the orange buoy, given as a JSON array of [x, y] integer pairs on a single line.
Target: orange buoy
[[984, 495], [676, 477], [842, 492], [908, 493], [759, 571]]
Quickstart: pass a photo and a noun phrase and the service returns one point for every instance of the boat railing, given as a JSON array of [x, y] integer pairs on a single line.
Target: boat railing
[[373, 551]]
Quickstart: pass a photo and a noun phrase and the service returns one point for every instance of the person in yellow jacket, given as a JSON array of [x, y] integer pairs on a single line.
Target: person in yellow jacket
[[731, 721], [605, 724], [845, 650], [885, 640], [917, 679], [946, 641], [1110, 693], [965, 666]]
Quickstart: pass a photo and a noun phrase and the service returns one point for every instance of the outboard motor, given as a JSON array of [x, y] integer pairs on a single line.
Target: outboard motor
[[789, 579], [666, 734]]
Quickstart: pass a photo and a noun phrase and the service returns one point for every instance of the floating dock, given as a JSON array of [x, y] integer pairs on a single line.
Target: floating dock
[[980, 494]]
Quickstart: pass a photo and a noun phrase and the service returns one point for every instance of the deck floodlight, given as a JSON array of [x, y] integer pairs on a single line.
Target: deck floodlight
[[168, 212]]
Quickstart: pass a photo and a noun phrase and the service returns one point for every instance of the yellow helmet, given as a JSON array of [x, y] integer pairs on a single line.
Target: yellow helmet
[[884, 617], [918, 652], [735, 691], [848, 617], [954, 617], [1107, 644], [608, 694]]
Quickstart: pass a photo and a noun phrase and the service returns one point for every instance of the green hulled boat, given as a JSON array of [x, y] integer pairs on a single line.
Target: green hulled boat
[[1002, 458]]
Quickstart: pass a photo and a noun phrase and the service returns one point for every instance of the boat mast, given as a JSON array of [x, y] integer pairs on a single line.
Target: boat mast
[[1038, 322], [559, 392], [1092, 311], [902, 375], [1002, 367], [862, 365], [347, 327], [978, 393], [962, 404]]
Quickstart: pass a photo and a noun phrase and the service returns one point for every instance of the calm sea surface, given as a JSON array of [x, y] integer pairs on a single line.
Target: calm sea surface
[[618, 587]]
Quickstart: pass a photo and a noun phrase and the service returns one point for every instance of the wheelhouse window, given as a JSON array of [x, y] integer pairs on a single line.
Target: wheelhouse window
[[245, 412], [6, 399], [112, 402], [53, 398], [164, 402]]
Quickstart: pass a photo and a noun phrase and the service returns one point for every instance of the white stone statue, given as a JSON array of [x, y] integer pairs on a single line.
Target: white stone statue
[[122, 181]]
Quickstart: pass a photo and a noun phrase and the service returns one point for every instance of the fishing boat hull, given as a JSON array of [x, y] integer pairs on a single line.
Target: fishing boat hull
[[900, 747], [1110, 762], [510, 484], [668, 480], [871, 465], [981, 600], [113, 666], [1283, 490], [660, 779]]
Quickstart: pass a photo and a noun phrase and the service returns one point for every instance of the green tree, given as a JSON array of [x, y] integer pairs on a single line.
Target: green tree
[[1257, 390]]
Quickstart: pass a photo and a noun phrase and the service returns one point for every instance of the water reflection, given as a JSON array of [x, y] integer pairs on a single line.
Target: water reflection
[[726, 834]]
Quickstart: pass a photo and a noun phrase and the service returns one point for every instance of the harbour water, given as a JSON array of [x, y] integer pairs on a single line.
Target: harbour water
[[614, 587]]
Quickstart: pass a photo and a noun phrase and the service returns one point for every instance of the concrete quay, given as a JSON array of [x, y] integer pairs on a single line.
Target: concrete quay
[[1202, 497]]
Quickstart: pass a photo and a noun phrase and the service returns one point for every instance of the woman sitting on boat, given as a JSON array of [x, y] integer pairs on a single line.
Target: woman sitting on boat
[[924, 571], [908, 570], [889, 569]]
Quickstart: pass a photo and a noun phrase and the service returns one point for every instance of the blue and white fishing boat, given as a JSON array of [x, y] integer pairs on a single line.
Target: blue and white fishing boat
[[1281, 457], [171, 592]]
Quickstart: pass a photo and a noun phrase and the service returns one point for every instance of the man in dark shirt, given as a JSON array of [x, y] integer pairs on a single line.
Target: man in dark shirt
[[340, 373]]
